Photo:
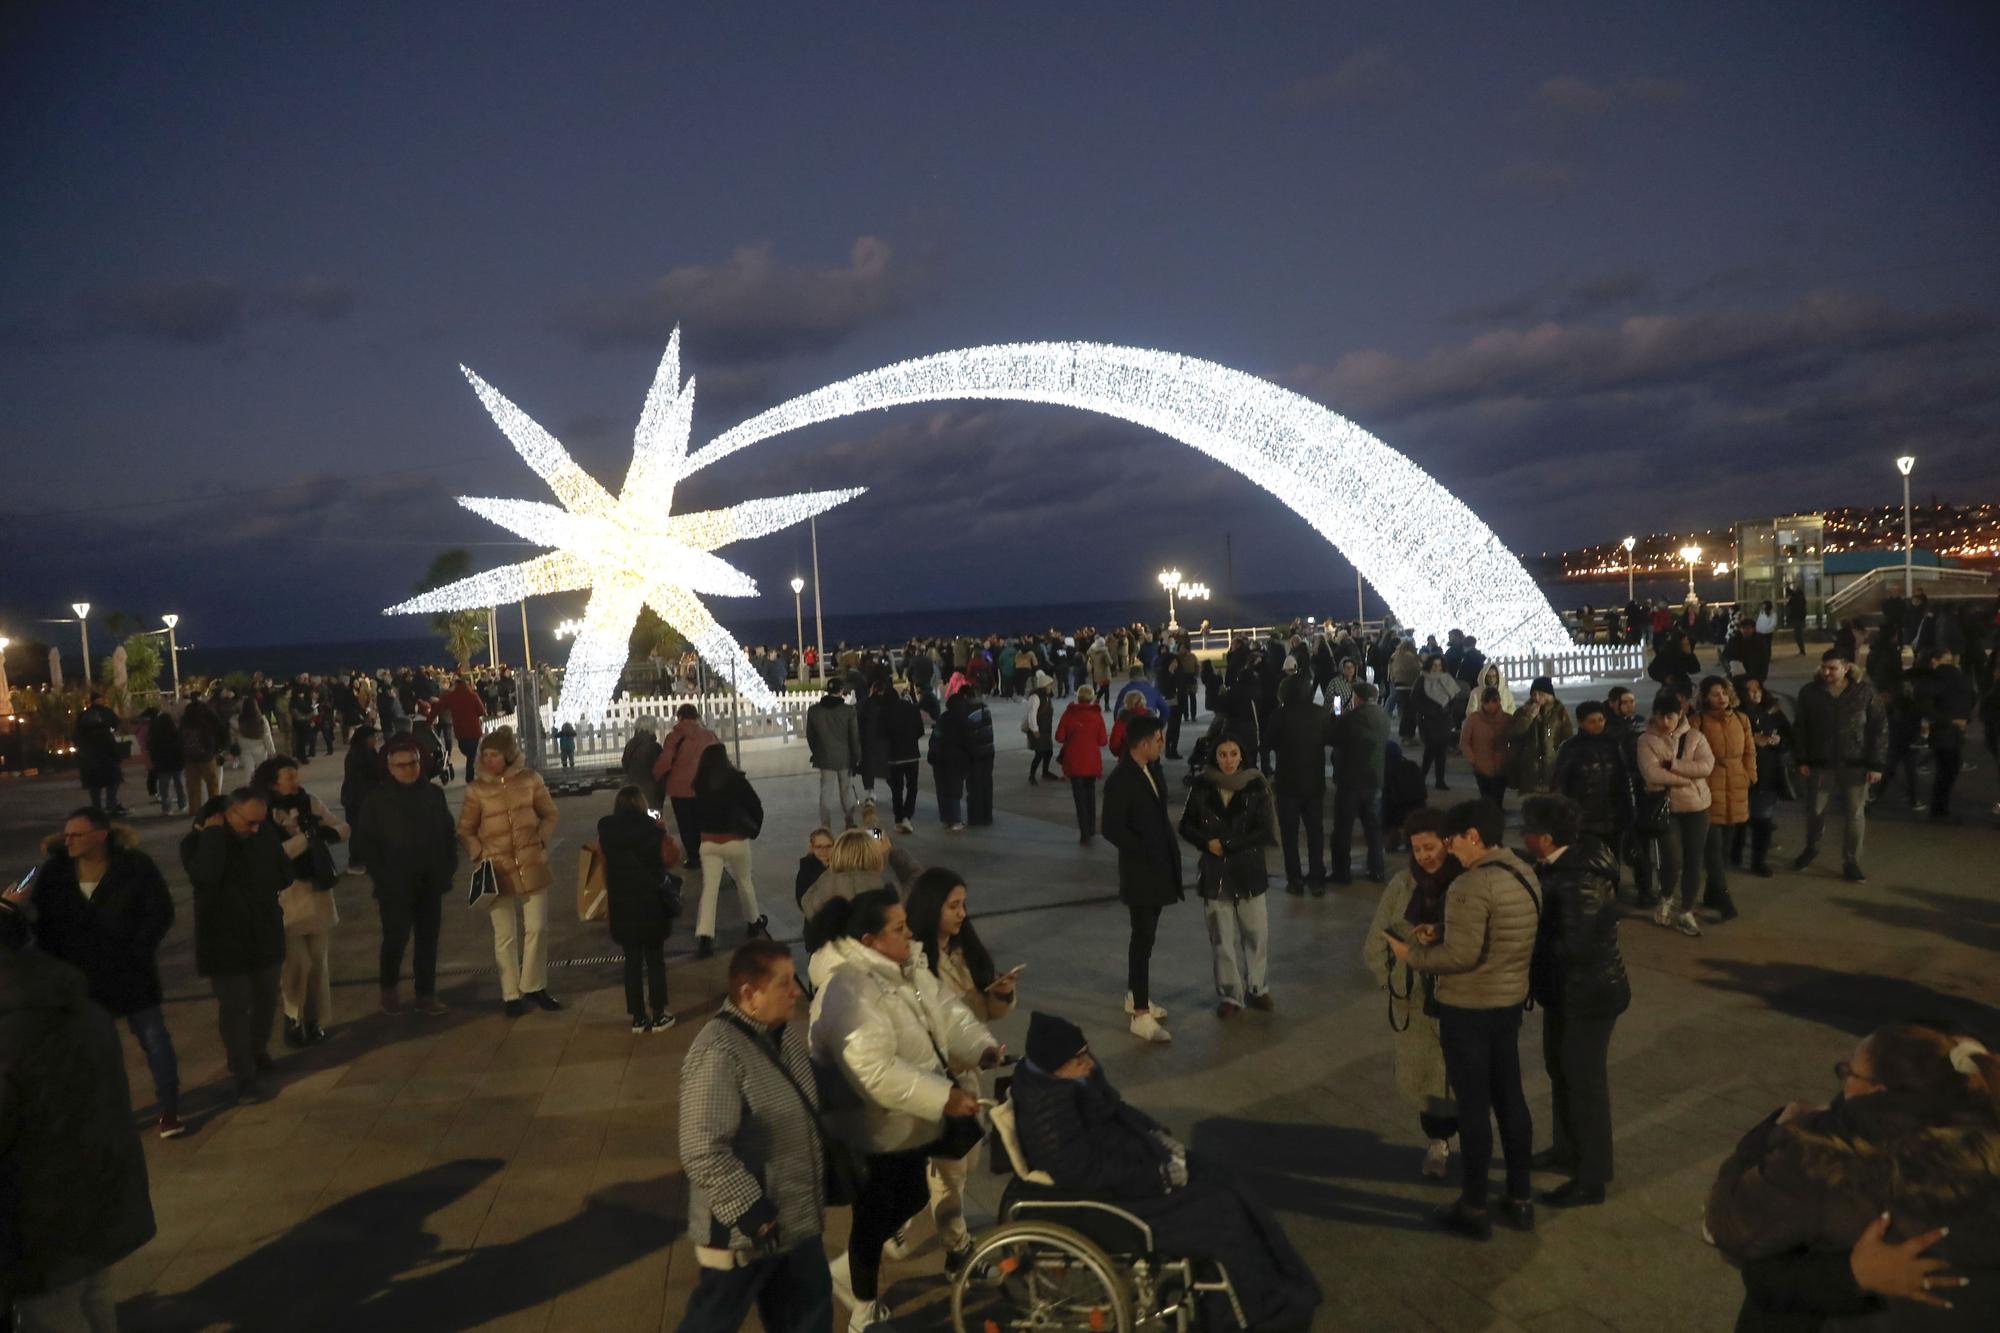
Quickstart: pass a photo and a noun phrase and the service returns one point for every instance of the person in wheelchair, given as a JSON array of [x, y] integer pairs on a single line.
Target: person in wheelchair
[[1074, 1126]]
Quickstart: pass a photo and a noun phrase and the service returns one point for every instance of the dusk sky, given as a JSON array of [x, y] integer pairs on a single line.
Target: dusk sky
[[1599, 268]]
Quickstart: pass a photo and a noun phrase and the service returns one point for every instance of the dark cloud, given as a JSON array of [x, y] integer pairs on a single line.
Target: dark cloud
[[1567, 299], [1369, 75], [749, 307]]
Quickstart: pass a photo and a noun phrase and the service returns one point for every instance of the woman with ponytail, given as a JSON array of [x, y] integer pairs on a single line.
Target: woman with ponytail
[[1881, 1209]]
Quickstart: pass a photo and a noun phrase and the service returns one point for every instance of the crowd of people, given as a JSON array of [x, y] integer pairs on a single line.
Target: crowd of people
[[875, 1101]]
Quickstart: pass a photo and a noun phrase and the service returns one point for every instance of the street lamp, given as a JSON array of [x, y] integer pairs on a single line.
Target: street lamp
[[6, 697], [173, 649], [1904, 466], [1628, 544], [1170, 579], [799, 624], [1690, 554], [82, 610]]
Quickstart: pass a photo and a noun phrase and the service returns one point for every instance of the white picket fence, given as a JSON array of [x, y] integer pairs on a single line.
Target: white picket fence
[[1581, 663], [728, 716]]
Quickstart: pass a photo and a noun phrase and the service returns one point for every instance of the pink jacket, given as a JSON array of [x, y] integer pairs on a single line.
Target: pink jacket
[[680, 753], [1686, 781]]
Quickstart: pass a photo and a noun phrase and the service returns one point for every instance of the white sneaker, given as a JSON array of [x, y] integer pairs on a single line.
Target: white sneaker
[[1663, 915], [1687, 925], [1147, 1028], [843, 1280], [1157, 1009], [1437, 1159], [903, 826], [872, 1315], [900, 1246]]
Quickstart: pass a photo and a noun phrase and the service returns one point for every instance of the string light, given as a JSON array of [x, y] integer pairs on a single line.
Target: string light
[[1438, 566], [628, 551]]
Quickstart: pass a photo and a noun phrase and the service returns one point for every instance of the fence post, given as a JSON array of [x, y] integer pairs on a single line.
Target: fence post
[[736, 714]]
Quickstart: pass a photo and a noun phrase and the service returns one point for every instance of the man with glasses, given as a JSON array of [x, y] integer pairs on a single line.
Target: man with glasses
[[102, 906], [407, 838], [238, 866]]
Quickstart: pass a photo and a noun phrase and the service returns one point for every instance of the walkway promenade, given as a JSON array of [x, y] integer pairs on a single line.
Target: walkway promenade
[[477, 1172]]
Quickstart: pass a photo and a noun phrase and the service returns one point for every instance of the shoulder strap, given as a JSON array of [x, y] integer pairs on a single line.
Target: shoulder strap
[[1522, 880], [819, 1126]]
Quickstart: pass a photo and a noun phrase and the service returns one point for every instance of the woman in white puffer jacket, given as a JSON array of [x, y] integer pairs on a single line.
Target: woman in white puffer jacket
[[899, 1040]]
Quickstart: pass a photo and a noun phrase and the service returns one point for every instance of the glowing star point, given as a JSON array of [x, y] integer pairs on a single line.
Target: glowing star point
[[628, 550]]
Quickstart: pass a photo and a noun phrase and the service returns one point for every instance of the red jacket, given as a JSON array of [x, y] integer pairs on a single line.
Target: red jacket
[[462, 702], [680, 754], [1081, 736]]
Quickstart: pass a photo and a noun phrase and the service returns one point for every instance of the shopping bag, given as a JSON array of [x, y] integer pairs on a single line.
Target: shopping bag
[[484, 887], [592, 902]]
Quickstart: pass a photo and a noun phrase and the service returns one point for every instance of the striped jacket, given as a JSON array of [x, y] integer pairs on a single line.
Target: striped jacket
[[747, 1142]]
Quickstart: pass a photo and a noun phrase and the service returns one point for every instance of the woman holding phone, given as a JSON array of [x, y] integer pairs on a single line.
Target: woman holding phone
[[942, 927]]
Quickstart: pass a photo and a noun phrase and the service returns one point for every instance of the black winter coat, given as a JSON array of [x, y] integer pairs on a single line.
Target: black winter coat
[[734, 809], [903, 724], [1594, 772], [364, 771], [1576, 967], [408, 839], [1238, 714], [238, 926], [73, 1196], [1242, 826], [98, 755], [1087, 1137], [1851, 731], [635, 876], [1360, 747], [163, 746], [114, 935], [1136, 823], [1300, 733]]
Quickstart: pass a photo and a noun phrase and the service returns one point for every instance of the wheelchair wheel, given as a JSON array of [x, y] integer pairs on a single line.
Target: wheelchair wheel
[[1036, 1276]]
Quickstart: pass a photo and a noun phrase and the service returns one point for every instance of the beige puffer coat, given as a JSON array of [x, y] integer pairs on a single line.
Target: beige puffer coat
[[1490, 920], [1686, 781], [509, 820], [1735, 772]]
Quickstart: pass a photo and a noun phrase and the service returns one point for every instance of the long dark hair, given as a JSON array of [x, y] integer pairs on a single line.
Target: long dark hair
[[926, 905], [713, 770], [851, 918]]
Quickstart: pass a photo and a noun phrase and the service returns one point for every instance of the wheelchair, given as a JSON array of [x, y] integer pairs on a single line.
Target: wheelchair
[[1057, 1260]]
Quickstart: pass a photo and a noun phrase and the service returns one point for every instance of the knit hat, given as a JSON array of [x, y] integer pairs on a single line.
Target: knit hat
[[1053, 1041], [1542, 683]]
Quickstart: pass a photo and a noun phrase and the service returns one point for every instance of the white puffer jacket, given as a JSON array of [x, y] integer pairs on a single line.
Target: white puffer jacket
[[882, 1025]]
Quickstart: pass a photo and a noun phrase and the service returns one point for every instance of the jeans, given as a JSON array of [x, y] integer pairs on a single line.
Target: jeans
[[1294, 812], [979, 792], [1482, 1056], [1852, 784], [1238, 927], [651, 959], [1139, 954], [169, 781], [1492, 789], [897, 1187], [903, 791], [149, 1027], [82, 1306], [950, 793], [421, 912], [836, 798], [1351, 802], [1680, 849], [791, 1292], [518, 944], [1944, 776], [690, 828], [204, 780], [1083, 792], [1577, 1052], [735, 857], [1638, 853], [1715, 857], [104, 798], [1039, 762], [246, 1004], [1406, 713], [1173, 730], [307, 978]]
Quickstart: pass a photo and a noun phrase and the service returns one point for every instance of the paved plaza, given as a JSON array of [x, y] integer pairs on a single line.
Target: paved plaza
[[477, 1172]]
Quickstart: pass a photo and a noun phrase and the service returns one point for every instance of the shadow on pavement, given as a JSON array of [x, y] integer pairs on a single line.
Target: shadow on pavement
[[1318, 1162], [369, 1262], [1853, 1002], [1958, 918]]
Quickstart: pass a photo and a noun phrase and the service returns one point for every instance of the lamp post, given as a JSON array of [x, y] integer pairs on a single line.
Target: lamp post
[[799, 624], [1904, 466], [819, 620], [82, 610], [1170, 579], [6, 696], [527, 652], [173, 649], [1628, 544], [1690, 554]]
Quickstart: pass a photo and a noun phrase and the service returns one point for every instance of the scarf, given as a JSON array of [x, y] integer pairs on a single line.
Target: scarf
[[1230, 783], [1427, 893]]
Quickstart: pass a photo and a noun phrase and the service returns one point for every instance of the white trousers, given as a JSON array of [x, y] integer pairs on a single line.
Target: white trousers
[[735, 857], [836, 799], [523, 965], [1239, 933], [306, 980], [947, 1177]]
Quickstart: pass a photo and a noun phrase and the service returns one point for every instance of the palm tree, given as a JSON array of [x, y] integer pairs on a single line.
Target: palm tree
[[464, 632]]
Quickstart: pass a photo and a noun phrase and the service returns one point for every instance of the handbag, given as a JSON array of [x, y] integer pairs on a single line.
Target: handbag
[[324, 874], [1651, 815], [484, 886], [846, 1169]]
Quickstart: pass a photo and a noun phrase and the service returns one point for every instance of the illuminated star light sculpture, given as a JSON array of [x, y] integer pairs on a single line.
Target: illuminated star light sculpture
[[627, 551]]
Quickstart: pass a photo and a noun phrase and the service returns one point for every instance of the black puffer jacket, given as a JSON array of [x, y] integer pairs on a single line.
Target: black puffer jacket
[[1594, 772], [1241, 824], [1577, 968], [408, 838], [1850, 731], [112, 936], [1300, 733], [1087, 1137], [73, 1196], [635, 875]]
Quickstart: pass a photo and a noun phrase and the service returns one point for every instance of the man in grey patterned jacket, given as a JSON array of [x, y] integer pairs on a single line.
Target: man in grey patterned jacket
[[755, 1165]]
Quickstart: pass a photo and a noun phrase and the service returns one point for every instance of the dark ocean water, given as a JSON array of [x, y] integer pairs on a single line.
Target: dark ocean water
[[867, 627]]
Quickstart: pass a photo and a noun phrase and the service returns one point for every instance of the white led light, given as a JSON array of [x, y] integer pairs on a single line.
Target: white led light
[[627, 551], [1416, 543]]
